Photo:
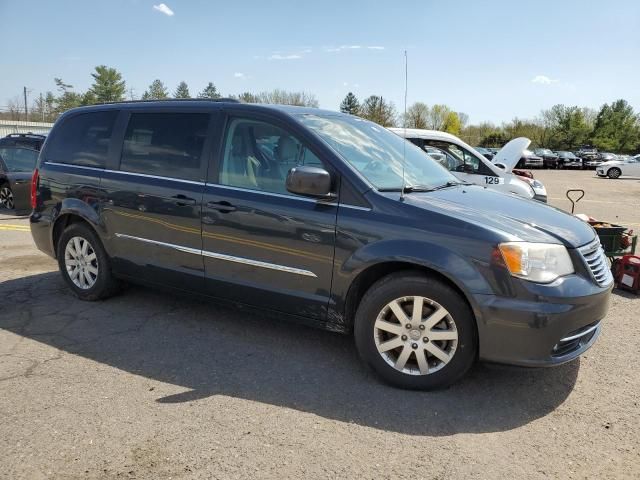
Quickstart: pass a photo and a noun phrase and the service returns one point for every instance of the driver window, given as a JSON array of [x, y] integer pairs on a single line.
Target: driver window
[[258, 156]]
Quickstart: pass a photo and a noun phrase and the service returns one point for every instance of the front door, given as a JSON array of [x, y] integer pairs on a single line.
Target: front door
[[153, 201], [261, 244]]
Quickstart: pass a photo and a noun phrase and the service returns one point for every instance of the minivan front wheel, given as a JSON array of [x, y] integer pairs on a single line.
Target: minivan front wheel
[[84, 263], [415, 331]]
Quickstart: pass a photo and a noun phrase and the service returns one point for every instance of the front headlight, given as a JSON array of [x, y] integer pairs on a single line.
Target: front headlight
[[536, 262]]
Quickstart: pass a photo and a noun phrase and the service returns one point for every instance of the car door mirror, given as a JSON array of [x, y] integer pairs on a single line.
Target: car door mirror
[[468, 168], [309, 181]]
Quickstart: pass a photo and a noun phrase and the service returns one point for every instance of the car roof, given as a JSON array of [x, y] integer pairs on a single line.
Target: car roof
[[426, 134], [205, 103]]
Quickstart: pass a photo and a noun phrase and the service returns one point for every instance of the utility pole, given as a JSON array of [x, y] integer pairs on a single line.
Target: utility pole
[[26, 112], [42, 106]]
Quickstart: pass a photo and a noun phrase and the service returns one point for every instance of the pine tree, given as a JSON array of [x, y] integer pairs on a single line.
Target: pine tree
[[156, 91], [210, 91], [182, 91], [108, 86], [350, 104]]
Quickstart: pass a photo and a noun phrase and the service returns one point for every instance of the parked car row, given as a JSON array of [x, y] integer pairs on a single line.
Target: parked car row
[[586, 157]]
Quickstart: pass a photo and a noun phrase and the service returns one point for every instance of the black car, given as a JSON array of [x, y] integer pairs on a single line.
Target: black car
[[549, 159], [322, 218], [590, 156], [29, 140], [530, 160], [16, 168], [568, 160]]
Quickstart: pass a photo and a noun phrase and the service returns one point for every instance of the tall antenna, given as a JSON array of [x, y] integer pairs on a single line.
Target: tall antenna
[[404, 123]]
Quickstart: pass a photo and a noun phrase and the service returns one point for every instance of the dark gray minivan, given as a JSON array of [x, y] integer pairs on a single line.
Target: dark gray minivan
[[323, 218]]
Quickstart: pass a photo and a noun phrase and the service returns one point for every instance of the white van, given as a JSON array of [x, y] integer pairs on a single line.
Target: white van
[[471, 166]]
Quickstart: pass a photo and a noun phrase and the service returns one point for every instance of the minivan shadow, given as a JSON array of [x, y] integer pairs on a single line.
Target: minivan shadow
[[209, 349]]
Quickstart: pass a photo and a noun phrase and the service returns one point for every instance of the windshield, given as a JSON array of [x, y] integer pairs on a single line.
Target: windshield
[[19, 159], [377, 153]]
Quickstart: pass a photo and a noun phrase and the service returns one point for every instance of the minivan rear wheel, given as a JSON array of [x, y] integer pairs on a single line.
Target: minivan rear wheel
[[415, 331], [84, 263]]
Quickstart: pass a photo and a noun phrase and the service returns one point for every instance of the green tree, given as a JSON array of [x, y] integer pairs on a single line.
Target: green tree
[[378, 110], [89, 98], [108, 85], [569, 128], [156, 91], [67, 99], [617, 128], [210, 91], [452, 124], [416, 116], [182, 91], [350, 104]]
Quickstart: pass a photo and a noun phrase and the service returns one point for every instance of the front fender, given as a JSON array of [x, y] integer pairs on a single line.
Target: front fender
[[462, 270], [459, 270]]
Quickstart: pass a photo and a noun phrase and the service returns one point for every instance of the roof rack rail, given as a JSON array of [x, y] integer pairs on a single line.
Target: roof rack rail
[[216, 100]]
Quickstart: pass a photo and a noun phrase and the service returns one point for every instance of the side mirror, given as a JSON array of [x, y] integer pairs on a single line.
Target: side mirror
[[468, 168], [309, 181]]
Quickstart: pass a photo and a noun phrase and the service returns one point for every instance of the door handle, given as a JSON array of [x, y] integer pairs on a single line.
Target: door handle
[[223, 206], [183, 200]]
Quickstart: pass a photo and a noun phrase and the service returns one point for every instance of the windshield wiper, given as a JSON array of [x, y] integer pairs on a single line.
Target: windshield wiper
[[422, 188], [450, 184], [407, 189]]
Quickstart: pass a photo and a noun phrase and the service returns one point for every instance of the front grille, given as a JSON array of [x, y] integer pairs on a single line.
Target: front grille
[[575, 340], [597, 263]]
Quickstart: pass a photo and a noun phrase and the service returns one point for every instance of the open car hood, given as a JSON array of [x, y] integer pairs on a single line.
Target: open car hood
[[511, 153]]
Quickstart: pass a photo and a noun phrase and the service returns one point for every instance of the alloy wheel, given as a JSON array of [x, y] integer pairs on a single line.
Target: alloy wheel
[[81, 262], [614, 173], [6, 198], [415, 335]]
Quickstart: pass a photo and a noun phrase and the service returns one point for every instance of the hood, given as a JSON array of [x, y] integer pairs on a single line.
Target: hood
[[514, 217], [511, 153], [611, 162]]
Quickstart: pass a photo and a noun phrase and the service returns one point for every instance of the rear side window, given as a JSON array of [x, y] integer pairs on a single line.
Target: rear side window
[[83, 139], [165, 144]]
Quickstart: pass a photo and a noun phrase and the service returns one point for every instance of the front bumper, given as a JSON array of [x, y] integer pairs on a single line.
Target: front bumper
[[553, 326]]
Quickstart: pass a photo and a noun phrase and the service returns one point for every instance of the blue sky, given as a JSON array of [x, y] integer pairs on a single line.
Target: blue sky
[[491, 59]]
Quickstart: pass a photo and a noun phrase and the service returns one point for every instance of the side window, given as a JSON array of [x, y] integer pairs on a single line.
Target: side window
[[165, 144], [258, 155], [83, 139]]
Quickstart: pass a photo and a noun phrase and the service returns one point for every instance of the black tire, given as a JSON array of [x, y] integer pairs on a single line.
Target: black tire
[[614, 173], [105, 284], [407, 284]]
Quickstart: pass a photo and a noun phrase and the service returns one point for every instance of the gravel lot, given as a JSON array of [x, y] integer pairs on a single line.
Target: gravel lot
[[149, 385]]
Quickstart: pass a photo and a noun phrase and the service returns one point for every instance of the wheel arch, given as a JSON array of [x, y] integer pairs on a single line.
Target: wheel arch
[[370, 275], [68, 217]]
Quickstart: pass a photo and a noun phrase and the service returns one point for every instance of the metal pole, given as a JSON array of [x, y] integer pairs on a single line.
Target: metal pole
[[26, 112], [42, 106]]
